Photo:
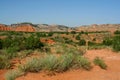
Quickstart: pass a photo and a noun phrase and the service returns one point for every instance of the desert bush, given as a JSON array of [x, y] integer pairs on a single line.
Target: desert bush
[[91, 43], [82, 42], [24, 53], [82, 62], [49, 62], [73, 32], [98, 46], [100, 62], [1, 45], [4, 62], [12, 74], [33, 43], [53, 63], [39, 34], [68, 41], [50, 34], [77, 37], [117, 32], [32, 65], [116, 43], [65, 62], [6, 42], [11, 52], [107, 42]]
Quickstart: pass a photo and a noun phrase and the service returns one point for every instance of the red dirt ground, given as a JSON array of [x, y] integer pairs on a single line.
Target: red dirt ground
[[112, 60]]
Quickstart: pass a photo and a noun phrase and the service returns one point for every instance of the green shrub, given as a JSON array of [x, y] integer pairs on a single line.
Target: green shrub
[[91, 43], [49, 62], [33, 43], [82, 42], [32, 65], [4, 62], [100, 62], [78, 37], [82, 62], [39, 34], [98, 46], [107, 42], [65, 62], [13, 74], [24, 53], [73, 32], [116, 43], [1, 45], [50, 34], [11, 52], [117, 32], [6, 42], [54, 63]]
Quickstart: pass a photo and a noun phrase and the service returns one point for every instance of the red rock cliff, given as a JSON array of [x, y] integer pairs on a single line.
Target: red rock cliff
[[24, 28], [5, 28]]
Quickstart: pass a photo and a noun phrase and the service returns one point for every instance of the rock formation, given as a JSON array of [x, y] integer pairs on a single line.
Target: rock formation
[[29, 27], [24, 28], [5, 28]]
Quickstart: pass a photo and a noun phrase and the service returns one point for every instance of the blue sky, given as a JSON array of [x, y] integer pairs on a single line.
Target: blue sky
[[64, 12]]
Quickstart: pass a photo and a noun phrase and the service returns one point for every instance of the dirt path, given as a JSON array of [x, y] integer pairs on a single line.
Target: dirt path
[[112, 73]]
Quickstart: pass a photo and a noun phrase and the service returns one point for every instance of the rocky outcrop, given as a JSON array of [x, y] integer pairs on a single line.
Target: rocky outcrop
[[51, 28], [24, 28], [5, 28], [29, 27], [17, 27], [102, 27]]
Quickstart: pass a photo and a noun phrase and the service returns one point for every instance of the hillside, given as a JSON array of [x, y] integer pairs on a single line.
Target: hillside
[[29, 27], [101, 27]]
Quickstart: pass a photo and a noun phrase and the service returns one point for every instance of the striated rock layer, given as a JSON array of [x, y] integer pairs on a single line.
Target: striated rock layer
[[25, 28], [5, 28], [29, 27], [21, 28]]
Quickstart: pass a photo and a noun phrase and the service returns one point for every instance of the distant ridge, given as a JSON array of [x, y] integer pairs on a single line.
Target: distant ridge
[[29, 27]]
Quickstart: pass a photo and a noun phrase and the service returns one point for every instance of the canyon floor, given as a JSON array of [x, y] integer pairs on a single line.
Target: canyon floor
[[112, 59]]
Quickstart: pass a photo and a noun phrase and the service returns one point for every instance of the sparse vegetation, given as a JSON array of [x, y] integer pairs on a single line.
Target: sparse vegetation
[[66, 53], [116, 43], [78, 37], [54, 63], [117, 32], [82, 42], [32, 65], [83, 62], [4, 62], [100, 62], [65, 62], [108, 42], [33, 43], [13, 74]]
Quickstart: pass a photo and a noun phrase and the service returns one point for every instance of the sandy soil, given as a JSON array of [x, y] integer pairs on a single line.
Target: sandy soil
[[112, 60], [2, 73]]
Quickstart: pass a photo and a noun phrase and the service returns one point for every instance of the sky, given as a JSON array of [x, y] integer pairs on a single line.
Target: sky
[[64, 12]]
